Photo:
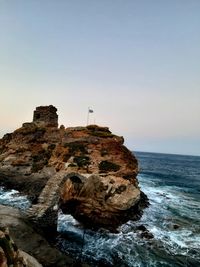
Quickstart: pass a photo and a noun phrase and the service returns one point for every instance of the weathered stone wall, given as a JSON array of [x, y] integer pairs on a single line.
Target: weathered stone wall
[[46, 116]]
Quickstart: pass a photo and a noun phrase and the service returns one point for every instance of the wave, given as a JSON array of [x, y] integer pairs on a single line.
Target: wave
[[14, 199]]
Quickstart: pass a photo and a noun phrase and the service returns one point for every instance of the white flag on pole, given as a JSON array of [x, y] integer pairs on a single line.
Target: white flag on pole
[[90, 110]]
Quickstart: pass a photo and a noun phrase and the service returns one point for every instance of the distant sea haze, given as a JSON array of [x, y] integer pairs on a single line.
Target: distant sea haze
[[172, 184]]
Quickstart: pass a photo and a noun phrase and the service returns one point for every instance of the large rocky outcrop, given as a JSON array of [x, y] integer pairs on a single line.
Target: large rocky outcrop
[[98, 183]]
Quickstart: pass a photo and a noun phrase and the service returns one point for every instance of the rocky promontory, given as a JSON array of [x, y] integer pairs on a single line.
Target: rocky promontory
[[85, 171]]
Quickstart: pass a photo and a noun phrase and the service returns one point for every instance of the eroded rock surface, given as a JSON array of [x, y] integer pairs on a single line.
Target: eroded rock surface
[[29, 241], [98, 182]]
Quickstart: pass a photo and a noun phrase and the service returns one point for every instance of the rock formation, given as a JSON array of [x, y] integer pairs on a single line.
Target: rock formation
[[86, 170], [29, 245], [10, 255]]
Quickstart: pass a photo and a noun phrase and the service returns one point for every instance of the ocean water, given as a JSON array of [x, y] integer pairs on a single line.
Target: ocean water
[[14, 198], [172, 184]]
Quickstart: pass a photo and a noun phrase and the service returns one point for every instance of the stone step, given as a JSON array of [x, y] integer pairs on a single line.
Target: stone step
[[48, 197]]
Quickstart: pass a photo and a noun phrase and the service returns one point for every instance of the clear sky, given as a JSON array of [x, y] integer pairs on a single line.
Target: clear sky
[[135, 62]]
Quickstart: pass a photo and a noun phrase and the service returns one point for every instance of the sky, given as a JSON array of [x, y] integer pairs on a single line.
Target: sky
[[136, 63]]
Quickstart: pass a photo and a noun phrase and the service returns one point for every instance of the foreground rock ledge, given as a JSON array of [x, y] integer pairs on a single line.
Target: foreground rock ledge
[[86, 171], [27, 239]]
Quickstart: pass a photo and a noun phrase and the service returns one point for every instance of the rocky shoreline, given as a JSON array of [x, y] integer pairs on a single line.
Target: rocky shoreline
[[30, 241], [84, 171]]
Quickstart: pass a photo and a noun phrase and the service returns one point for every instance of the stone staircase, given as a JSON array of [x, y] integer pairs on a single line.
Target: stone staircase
[[48, 198], [45, 212]]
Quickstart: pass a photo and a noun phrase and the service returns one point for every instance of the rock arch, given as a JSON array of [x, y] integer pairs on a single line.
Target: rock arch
[[45, 212], [74, 177]]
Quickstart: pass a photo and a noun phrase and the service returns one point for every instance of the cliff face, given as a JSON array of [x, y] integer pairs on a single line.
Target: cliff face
[[102, 171]]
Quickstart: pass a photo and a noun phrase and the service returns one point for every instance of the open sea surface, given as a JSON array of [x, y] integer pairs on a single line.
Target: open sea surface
[[172, 184]]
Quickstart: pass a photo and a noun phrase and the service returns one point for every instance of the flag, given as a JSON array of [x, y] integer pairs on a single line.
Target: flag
[[90, 110]]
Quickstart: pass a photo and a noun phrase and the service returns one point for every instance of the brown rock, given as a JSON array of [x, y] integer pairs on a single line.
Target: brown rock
[[28, 240], [10, 255]]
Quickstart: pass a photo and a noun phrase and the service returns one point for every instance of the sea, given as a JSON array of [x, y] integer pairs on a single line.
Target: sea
[[172, 184]]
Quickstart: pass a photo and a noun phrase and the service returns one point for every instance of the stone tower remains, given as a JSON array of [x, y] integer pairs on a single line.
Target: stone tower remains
[[46, 116]]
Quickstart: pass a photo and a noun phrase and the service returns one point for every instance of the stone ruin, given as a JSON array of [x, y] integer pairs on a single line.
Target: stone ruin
[[46, 116]]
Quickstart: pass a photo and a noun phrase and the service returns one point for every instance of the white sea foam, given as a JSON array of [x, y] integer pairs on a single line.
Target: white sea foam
[[13, 198], [67, 223], [159, 219]]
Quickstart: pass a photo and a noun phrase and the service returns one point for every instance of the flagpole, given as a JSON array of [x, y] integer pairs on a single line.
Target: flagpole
[[88, 115]]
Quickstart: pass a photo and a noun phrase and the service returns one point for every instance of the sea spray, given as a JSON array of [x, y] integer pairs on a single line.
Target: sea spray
[[13, 198]]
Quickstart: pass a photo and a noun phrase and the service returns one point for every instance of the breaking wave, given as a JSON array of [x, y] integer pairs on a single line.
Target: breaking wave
[[13, 198]]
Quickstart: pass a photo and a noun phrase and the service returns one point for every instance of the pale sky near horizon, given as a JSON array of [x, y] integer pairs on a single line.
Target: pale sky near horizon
[[135, 62]]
